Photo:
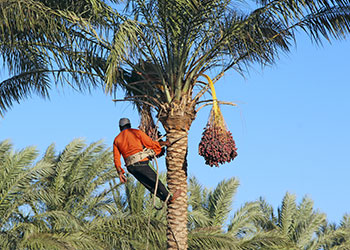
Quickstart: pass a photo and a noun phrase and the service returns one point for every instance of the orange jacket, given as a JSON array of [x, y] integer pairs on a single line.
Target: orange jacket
[[131, 141]]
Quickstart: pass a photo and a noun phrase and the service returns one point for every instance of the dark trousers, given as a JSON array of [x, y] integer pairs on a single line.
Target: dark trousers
[[146, 175]]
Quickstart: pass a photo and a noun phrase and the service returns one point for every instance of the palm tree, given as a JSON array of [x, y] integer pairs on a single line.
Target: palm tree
[[33, 35], [58, 202], [336, 237], [209, 210], [302, 227], [72, 200], [178, 41], [17, 174], [169, 45], [300, 222]]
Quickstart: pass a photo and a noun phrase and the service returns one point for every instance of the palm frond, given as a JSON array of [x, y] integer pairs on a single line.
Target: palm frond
[[308, 222], [130, 232], [331, 237], [265, 240], [220, 201], [68, 198], [270, 222], [199, 219], [135, 193], [286, 214], [37, 39], [210, 238], [65, 161], [123, 42], [196, 197], [320, 19], [17, 176], [245, 219]]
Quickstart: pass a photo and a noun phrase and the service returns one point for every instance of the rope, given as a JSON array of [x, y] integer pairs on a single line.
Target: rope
[[154, 202], [156, 187]]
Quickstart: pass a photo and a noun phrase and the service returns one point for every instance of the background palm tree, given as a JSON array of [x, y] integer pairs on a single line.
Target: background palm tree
[[180, 40], [61, 209], [71, 200], [17, 174], [334, 237], [302, 227], [209, 227]]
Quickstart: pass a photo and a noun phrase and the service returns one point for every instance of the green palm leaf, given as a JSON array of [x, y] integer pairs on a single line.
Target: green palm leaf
[[220, 201], [245, 219], [287, 214], [210, 238], [308, 222]]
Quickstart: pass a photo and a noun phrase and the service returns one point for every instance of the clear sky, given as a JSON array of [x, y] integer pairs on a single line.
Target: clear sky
[[291, 127]]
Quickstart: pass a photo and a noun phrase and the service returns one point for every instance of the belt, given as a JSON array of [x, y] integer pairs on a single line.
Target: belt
[[132, 159]]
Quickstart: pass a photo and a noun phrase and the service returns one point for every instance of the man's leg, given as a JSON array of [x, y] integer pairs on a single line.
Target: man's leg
[[146, 175]]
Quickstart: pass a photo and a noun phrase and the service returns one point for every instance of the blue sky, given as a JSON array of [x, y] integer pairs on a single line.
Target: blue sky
[[291, 127]]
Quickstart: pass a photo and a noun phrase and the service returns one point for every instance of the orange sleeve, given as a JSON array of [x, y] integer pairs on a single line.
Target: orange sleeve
[[149, 143], [116, 156]]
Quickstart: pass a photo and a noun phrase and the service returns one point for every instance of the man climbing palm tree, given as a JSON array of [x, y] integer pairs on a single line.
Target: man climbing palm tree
[[136, 148]]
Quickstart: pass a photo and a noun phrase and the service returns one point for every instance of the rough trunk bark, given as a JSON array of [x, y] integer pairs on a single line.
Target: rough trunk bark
[[177, 122], [177, 179]]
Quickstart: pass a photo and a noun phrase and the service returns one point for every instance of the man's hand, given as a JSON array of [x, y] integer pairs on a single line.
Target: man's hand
[[164, 143], [122, 178]]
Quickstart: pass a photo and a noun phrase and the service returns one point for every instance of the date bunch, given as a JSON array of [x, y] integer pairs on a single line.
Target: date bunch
[[217, 145]]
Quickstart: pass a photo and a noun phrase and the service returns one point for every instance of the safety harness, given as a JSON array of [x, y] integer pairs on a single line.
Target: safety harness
[[145, 153]]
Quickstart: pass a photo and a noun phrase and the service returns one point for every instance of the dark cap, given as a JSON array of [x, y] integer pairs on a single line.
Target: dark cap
[[123, 122]]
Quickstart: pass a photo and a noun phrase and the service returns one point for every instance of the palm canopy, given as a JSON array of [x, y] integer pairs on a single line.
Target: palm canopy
[[36, 37], [177, 41], [183, 39], [156, 49]]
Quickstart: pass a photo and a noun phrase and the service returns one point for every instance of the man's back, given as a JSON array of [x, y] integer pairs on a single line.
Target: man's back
[[129, 142]]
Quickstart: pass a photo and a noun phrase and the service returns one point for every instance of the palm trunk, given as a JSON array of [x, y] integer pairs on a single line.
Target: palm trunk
[[177, 179], [177, 121]]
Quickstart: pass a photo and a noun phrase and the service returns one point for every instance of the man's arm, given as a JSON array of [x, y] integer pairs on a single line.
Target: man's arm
[[164, 143], [149, 143], [117, 162]]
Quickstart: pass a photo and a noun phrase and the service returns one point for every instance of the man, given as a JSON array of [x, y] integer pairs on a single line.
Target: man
[[136, 147]]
